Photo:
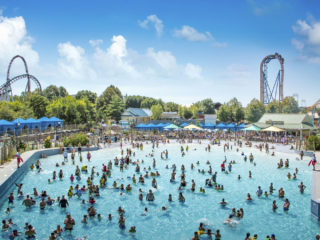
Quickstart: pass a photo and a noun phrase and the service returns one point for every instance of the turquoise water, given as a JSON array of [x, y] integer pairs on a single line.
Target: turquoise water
[[182, 219]]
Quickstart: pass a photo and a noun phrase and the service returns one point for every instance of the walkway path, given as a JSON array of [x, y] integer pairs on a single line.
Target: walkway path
[[9, 167]]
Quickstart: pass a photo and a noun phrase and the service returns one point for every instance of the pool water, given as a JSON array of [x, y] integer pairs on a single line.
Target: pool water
[[182, 219]]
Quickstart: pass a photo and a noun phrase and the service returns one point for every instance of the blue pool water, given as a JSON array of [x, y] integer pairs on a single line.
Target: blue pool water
[[182, 219]]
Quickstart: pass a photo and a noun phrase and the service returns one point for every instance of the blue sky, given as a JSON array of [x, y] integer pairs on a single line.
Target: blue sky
[[179, 51]]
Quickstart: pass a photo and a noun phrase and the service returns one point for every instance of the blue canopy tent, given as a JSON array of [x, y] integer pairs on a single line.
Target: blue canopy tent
[[221, 126], [44, 123], [141, 126], [240, 126], [56, 121], [152, 126], [208, 126], [32, 123], [5, 125], [231, 126], [20, 123], [184, 124]]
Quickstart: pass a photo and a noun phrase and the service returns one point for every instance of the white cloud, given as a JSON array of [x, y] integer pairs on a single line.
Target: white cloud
[[72, 61], [96, 42], [307, 39], [311, 31], [193, 71], [297, 44], [164, 59], [152, 19], [192, 35], [118, 47], [15, 41]]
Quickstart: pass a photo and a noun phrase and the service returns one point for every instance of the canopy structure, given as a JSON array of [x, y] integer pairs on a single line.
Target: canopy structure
[[193, 127], [34, 123], [20, 123], [231, 126], [5, 125], [141, 125], [56, 121], [171, 127], [208, 126], [221, 126], [240, 126], [252, 128], [273, 129], [184, 124]]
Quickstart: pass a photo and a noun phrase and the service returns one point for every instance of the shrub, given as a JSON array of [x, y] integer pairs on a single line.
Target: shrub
[[313, 143], [47, 142], [76, 139], [22, 145]]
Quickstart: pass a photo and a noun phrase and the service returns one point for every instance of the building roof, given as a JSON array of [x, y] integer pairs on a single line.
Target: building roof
[[170, 115], [288, 118], [137, 112], [290, 121]]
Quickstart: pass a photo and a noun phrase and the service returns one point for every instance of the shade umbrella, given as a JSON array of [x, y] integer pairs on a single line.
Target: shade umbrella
[[253, 128], [273, 129], [192, 127], [171, 126]]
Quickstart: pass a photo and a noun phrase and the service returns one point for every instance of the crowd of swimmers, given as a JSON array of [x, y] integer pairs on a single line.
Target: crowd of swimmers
[[44, 200]]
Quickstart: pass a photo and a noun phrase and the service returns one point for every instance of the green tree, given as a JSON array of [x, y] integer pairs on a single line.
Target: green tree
[[184, 112], [273, 107], [69, 109], [115, 108], [149, 102], [194, 110], [254, 110], [51, 92], [206, 106], [235, 110], [133, 101], [38, 104], [289, 105], [104, 99], [91, 96], [6, 112], [171, 107], [63, 92], [156, 111], [223, 114]]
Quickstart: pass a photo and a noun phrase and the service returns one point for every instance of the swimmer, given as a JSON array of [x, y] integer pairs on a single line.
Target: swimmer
[[181, 197], [274, 205], [248, 197], [223, 202], [286, 205]]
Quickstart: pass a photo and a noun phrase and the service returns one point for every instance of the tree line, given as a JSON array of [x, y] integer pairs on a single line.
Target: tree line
[[87, 107]]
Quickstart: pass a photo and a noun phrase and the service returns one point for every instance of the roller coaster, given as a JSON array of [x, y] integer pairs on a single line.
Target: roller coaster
[[6, 88], [268, 93]]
